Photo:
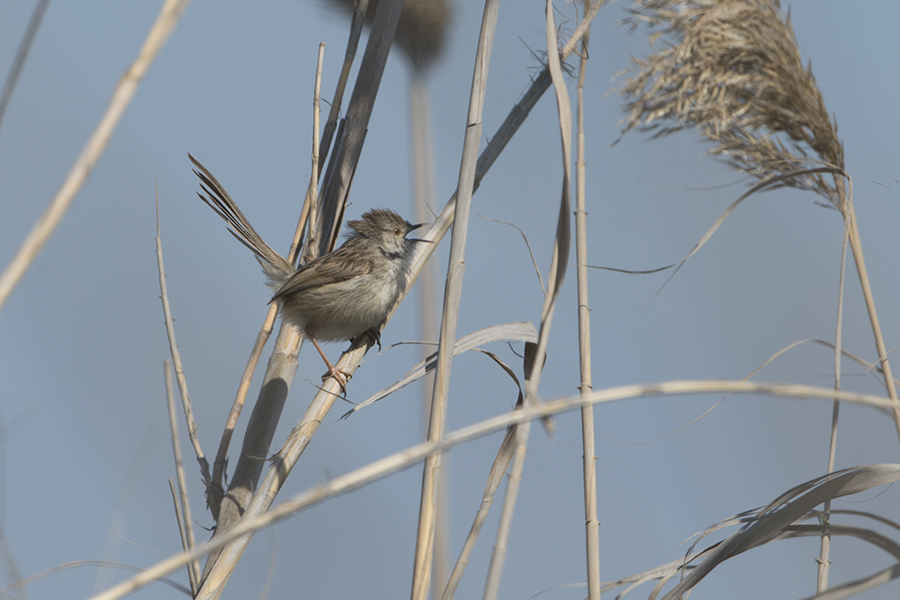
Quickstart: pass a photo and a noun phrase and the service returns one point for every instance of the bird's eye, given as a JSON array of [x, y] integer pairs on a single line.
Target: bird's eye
[[396, 230]]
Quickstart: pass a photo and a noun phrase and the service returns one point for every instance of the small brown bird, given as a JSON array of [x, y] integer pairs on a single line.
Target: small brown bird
[[340, 295]]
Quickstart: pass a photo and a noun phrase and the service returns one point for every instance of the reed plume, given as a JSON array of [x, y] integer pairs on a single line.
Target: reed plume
[[732, 70]]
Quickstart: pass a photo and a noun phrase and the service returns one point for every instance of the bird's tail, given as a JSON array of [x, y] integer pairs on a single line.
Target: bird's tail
[[275, 266]]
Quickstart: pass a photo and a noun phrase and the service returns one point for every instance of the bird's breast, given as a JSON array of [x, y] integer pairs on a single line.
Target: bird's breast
[[345, 309]]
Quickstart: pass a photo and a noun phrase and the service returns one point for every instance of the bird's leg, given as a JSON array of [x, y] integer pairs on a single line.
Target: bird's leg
[[340, 376]]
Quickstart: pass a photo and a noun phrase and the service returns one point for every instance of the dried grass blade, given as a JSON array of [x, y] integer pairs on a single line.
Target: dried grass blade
[[785, 510], [522, 331], [868, 515], [873, 538], [665, 572], [769, 183]]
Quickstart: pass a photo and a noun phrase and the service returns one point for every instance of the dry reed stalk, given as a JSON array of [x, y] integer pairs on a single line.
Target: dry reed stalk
[[352, 132], [18, 63], [93, 149], [425, 535], [337, 101], [882, 353], [732, 70], [176, 360], [498, 556], [404, 459], [425, 198], [591, 523], [433, 17], [312, 198], [495, 478], [824, 561], [182, 502], [283, 364], [307, 215], [179, 519], [501, 463], [217, 492], [421, 31], [425, 190], [558, 267]]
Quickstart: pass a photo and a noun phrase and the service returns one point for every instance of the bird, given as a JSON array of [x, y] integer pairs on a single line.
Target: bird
[[340, 295]]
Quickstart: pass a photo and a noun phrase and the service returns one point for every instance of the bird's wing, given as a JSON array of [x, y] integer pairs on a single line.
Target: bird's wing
[[335, 267]]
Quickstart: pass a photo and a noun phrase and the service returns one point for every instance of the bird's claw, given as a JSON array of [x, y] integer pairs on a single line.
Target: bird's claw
[[375, 335], [340, 376]]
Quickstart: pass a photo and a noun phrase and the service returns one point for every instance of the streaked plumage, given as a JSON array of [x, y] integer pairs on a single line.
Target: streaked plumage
[[340, 295]]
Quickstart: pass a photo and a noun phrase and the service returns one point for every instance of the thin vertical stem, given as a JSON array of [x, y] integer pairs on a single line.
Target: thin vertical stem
[[425, 196], [498, 557], [179, 519], [495, 478], [825, 545], [176, 358], [452, 293], [185, 525], [558, 268], [592, 531], [856, 246]]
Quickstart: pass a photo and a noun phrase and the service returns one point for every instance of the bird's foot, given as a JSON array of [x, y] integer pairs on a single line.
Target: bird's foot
[[375, 335], [339, 375]]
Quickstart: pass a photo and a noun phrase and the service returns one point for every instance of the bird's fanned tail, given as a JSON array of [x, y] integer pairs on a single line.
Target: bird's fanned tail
[[275, 266]]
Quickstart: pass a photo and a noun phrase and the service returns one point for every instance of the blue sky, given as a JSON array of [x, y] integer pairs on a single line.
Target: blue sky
[[86, 453]]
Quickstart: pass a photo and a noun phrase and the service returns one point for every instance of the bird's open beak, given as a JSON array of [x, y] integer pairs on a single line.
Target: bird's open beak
[[413, 228]]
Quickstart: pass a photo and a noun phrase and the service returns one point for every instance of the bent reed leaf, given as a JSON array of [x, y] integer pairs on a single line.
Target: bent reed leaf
[[522, 331]]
